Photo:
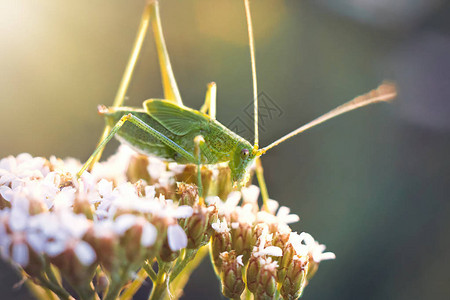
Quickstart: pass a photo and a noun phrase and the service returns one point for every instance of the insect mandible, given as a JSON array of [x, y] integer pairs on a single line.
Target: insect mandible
[[167, 129]]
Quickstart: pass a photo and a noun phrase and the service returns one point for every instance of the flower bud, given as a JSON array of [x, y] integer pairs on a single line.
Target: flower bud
[[174, 241], [231, 275], [313, 267], [106, 245], [294, 281], [252, 274], [198, 226], [224, 182], [266, 283], [131, 243], [137, 169], [81, 205], [187, 194], [261, 277], [220, 242], [189, 175], [76, 263], [101, 283], [242, 239], [66, 180], [281, 240]]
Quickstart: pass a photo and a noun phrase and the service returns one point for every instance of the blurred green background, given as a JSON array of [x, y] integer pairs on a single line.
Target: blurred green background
[[372, 185]]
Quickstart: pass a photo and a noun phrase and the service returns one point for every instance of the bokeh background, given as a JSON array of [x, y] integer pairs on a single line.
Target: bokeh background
[[372, 185]]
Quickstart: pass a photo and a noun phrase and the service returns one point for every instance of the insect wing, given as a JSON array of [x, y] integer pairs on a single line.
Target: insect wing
[[178, 120]]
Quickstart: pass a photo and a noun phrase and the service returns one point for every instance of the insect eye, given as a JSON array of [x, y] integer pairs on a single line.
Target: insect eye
[[244, 153]]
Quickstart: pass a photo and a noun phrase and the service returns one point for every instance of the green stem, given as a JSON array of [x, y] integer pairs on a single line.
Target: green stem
[[189, 255], [135, 285], [247, 294], [51, 275], [116, 285], [277, 294], [150, 272], [85, 293], [178, 284], [160, 286], [58, 290], [39, 291]]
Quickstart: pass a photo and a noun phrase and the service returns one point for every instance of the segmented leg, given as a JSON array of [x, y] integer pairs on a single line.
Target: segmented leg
[[199, 144], [262, 183], [128, 73], [141, 124], [150, 14], [171, 91], [210, 101]]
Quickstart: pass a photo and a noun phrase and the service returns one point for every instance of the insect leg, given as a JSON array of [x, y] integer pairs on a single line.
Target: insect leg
[[262, 183], [171, 91], [141, 124], [126, 78], [210, 100], [199, 142], [101, 145]]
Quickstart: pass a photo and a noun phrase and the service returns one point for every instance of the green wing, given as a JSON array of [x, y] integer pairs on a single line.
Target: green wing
[[178, 120]]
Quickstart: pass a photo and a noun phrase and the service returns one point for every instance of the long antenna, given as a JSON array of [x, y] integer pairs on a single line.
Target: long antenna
[[385, 92], [252, 57]]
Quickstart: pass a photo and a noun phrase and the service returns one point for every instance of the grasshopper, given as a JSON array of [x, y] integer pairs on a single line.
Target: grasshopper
[[167, 129]]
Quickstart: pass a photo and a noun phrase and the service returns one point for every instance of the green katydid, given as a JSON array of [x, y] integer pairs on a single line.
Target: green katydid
[[171, 131]]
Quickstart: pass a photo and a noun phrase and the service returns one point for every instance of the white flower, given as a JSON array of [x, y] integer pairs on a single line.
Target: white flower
[[245, 214], [55, 232], [116, 165], [157, 169], [168, 209], [262, 250], [227, 207], [282, 218], [268, 263], [250, 194], [176, 237], [296, 240], [239, 260], [149, 235], [124, 222], [315, 249], [85, 253], [220, 227], [283, 214], [20, 254]]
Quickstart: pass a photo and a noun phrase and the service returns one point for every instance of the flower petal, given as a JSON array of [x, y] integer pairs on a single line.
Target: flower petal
[[123, 223], [149, 234], [20, 254], [176, 237], [183, 211], [86, 255], [271, 250]]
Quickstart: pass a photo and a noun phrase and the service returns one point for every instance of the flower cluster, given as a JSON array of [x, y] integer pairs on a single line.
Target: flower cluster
[[108, 230], [260, 244]]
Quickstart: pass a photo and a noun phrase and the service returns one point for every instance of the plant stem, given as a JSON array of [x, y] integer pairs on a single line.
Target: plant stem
[[189, 255], [150, 272], [51, 275], [178, 283], [85, 293], [40, 292], [135, 285], [116, 285], [58, 290], [160, 286]]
